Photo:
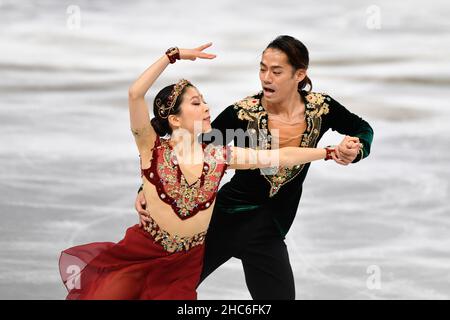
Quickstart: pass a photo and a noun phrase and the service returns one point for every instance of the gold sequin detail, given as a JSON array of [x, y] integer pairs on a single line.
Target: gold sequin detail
[[172, 243]]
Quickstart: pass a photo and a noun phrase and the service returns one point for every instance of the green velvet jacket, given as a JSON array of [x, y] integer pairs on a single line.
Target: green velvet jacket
[[278, 188]]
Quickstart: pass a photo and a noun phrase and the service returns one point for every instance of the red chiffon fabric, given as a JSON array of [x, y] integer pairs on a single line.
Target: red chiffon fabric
[[136, 267]]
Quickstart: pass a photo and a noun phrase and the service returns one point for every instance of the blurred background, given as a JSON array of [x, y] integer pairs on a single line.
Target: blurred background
[[69, 168]]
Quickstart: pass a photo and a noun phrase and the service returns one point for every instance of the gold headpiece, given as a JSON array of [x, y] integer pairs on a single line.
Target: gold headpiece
[[164, 109]]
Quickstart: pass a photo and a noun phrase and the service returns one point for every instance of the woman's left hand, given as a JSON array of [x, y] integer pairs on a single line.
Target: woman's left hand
[[193, 54]]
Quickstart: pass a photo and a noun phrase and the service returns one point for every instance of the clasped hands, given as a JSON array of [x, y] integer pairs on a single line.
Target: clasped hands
[[347, 150]]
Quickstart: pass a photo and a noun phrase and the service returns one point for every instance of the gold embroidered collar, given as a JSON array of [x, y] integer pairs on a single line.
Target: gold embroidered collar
[[251, 110]]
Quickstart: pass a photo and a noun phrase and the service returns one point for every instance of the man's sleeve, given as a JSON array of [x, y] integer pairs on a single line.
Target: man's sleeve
[[345, 122]]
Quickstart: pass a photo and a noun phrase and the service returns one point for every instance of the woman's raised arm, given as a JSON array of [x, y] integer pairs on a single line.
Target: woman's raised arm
[[139, 113]]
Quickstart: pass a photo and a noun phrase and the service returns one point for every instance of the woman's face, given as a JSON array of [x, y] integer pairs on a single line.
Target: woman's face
[[194, 116]]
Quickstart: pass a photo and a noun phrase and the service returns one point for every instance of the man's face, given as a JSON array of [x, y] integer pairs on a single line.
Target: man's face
[[278, 78]]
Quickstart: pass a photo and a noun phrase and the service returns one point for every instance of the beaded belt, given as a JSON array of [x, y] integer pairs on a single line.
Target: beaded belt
[[173, 243]]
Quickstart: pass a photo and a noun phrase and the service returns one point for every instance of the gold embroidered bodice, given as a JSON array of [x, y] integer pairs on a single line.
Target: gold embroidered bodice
[[186, 200], [167, 183]]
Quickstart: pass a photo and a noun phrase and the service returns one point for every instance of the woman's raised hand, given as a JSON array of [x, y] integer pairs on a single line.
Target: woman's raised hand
[[192, 54]]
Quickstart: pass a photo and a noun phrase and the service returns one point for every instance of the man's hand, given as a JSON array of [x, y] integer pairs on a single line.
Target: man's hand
[[140, 205], [347, 150]]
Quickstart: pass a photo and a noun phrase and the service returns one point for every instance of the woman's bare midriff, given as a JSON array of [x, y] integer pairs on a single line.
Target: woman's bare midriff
[[168, 220]]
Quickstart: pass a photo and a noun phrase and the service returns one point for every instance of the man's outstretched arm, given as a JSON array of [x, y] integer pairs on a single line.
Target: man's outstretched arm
[[350, 124]]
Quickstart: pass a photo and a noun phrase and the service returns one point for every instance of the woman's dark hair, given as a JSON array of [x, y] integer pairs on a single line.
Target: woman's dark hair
[[297, 54], [159, 124]]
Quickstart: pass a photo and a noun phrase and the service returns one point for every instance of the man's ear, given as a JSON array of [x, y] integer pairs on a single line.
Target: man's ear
[[300, 74]]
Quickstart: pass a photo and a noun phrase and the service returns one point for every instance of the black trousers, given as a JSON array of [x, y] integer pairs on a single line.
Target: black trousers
[[253, 238]]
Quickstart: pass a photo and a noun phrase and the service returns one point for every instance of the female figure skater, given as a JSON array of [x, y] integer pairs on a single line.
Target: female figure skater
[[163, 259]]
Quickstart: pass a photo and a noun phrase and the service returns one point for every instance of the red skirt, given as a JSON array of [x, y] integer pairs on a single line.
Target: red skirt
[[136, 267]]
